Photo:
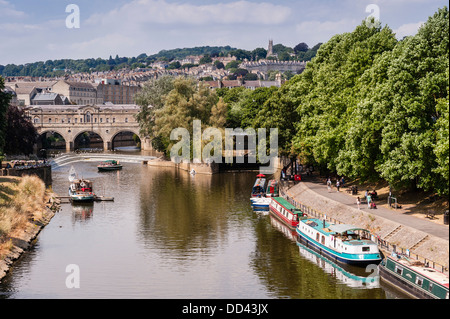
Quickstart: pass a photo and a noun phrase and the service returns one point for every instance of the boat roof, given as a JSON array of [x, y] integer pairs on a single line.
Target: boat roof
[[342, 228], [422, 270], [284, 203], [330, 229], [260, 182]]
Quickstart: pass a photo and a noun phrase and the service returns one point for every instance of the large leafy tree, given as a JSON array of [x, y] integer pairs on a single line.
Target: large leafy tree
[[186, 102], [417, 82], [21, 135], [327, 92], [152, 98]]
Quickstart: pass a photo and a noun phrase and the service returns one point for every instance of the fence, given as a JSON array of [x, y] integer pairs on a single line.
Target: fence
[[383, 244]]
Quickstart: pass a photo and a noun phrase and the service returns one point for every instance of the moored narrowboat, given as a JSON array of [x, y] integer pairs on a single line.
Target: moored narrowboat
[[341, 242], [260, 203], [286, 212], [272, 188], [414, 277], [259, 187]]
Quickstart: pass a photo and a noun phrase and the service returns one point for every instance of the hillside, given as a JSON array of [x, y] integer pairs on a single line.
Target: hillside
[[52, 68]]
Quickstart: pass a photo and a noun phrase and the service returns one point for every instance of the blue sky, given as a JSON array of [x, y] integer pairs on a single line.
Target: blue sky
[[36, 30]]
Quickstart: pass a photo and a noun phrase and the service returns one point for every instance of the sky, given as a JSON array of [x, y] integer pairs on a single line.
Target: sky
[[32, 31]]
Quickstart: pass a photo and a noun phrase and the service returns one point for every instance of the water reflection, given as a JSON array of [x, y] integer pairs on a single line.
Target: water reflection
[[82, 212], [354, 277], [169, 234]]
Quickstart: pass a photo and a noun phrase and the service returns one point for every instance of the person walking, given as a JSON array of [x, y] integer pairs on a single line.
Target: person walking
[[358, 202], [338, 184], [369, 200]]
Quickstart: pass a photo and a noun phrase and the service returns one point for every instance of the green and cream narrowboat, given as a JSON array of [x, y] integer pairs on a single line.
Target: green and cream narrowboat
[[414, 278]]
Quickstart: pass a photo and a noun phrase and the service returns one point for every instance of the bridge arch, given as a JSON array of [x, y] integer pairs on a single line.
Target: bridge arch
[[89, 139], [43, 134], [125, 135]]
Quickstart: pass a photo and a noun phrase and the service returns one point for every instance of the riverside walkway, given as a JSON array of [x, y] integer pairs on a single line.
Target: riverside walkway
[[399, 216]]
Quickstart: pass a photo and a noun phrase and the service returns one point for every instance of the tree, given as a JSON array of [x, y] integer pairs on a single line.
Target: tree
[[259, 53], [186, 102], [327, 94], [21, 135], [417, 90], [301, 47], [205, 59], [152, 98]]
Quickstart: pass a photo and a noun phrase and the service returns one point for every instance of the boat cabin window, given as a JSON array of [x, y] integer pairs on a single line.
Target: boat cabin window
[[398, 270], [430, 287], [323, 240], [317, 237], [419, 281], [366, 248]]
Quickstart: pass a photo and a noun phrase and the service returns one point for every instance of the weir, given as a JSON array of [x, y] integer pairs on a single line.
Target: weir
[[71, 158]]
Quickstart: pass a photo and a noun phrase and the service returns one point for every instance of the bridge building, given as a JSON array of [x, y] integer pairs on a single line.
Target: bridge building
[[71, 121]]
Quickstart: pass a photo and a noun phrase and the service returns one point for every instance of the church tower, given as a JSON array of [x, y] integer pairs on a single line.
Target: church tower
[[270, 51]]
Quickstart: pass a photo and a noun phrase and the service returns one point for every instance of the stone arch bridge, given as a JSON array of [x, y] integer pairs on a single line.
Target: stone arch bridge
[[70, 121]]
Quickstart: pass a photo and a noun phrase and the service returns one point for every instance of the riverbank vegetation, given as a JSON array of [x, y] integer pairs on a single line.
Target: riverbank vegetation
[[368, 106], [21, 200]]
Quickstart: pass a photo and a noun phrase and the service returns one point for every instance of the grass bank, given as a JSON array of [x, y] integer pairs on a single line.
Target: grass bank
[[22, 201]]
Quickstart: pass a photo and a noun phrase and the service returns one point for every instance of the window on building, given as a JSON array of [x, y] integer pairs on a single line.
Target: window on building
[[126, 120]]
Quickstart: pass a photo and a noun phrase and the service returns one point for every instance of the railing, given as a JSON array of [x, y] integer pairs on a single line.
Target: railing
[[383, 244]]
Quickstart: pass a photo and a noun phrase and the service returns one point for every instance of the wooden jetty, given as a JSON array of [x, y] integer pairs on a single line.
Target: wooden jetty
[[66, 199]]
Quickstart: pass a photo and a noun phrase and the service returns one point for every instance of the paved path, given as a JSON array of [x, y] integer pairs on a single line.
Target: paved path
[[429, 227]]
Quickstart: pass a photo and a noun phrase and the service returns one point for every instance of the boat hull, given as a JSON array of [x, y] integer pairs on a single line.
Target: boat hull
[[287, 219], [417, 281], [82, 199], [109, 169], [349, 259]]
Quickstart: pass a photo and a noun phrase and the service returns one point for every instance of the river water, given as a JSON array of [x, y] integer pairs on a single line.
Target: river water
[[170, 235]]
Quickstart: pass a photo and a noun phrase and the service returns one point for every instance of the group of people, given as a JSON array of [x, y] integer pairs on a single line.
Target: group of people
[[370, 197], [340, 182]]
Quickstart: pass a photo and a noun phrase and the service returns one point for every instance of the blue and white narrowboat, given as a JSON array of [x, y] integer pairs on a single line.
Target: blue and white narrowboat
[[259, 187], [341, 242], [260, 203]]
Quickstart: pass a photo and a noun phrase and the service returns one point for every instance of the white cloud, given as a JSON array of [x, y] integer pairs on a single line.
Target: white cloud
[[7, 10], [322, 31], [162, 12], [407, 29]]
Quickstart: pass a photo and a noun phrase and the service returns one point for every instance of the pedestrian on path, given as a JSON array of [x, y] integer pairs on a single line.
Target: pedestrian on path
[[338, 184], [358, 202], [369, 200], [329, 184]]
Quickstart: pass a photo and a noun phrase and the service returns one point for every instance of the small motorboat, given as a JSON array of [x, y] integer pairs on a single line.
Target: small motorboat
[[80, 191], [109, 166]]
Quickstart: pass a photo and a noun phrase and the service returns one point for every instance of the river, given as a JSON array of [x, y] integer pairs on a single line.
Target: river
[[170, 235]]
